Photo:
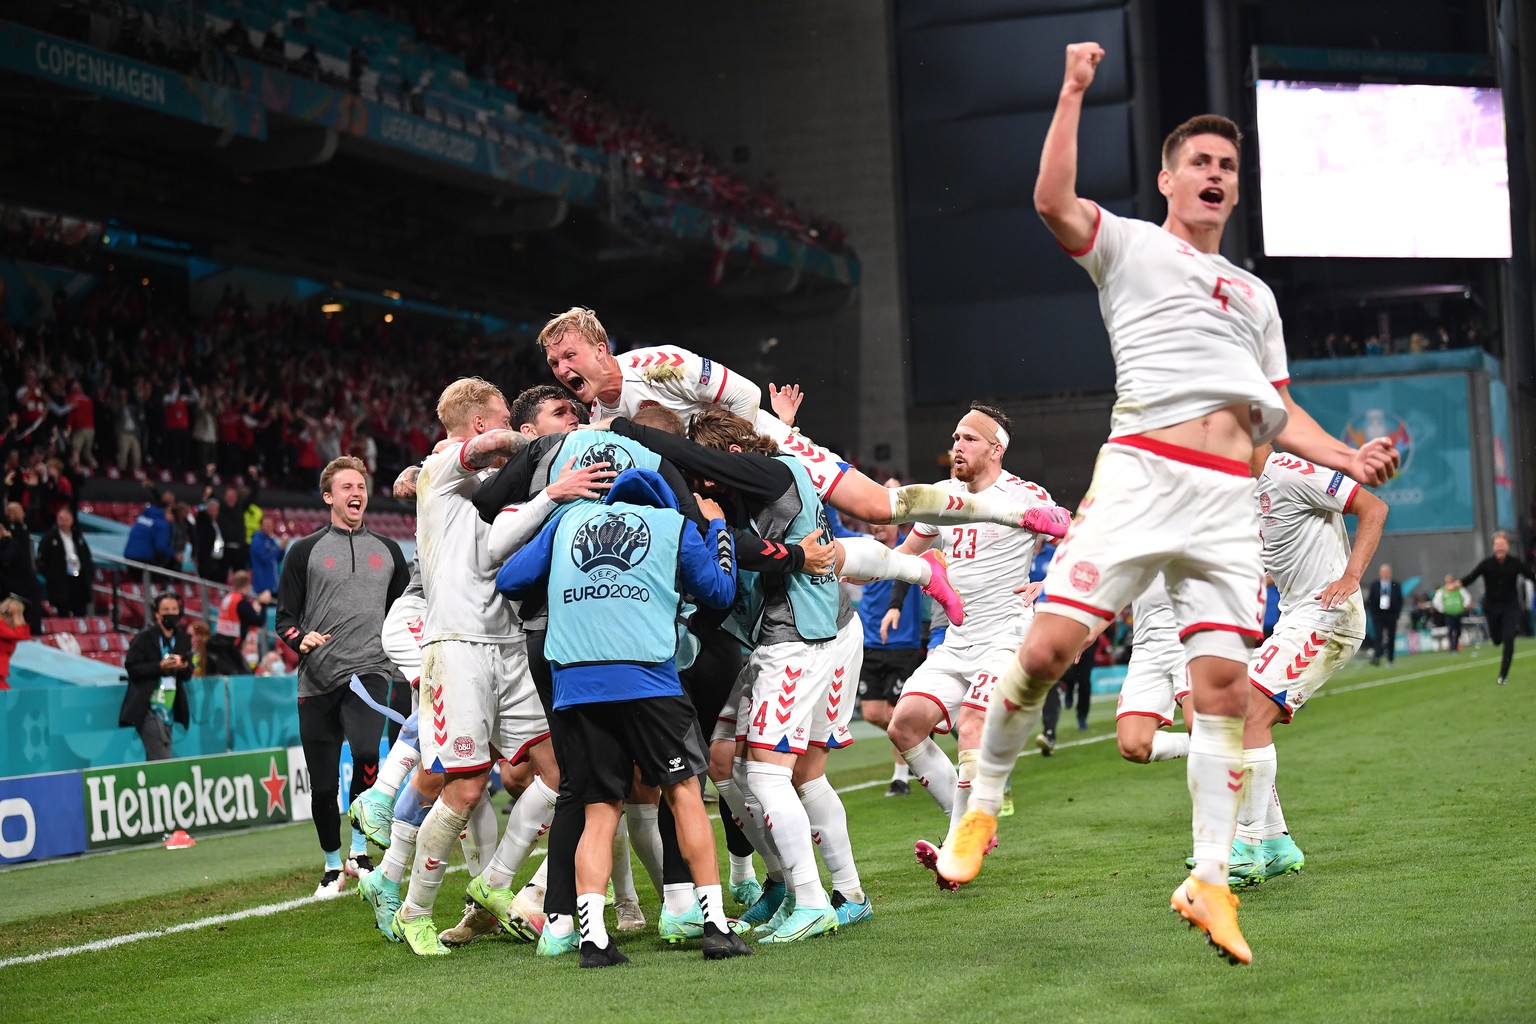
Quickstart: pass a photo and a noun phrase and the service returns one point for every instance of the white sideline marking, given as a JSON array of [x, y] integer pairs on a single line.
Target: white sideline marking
[[278, 908]]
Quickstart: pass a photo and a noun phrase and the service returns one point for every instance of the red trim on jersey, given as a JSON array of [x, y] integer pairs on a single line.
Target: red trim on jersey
[[1280, 383], [1219, 627], [509, 508], [948, 726], [1098, 216], [724, 376], [1080, 606], [467, 467], [974, 707], [467, 770], [823, 744], [840, 474], [771, 746], [1142, 714], [1351, 499], [1285, 709], [522, 751], [1178, 453]]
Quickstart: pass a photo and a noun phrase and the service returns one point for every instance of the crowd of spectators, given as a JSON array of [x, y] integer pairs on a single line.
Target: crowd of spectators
[[548, 97], [1375, 341], [556, 98], [126, 384]]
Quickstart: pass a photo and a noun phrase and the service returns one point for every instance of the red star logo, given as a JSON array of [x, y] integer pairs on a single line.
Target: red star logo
[[274, 784]]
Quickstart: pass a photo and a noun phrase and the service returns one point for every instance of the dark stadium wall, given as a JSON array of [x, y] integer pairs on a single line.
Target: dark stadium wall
[[801, 89]]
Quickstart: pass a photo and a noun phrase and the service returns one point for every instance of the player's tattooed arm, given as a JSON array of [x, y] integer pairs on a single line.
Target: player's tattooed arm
[[484, 450], [405, 483]]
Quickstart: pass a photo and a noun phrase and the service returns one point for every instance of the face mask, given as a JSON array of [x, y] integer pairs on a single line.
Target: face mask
[[169, 620]]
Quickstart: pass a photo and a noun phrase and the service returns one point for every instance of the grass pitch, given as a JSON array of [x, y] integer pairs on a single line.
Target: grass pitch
[[1409, 788]]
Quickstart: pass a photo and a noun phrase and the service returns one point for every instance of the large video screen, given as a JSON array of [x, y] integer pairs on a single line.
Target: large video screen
[[1382, 170]]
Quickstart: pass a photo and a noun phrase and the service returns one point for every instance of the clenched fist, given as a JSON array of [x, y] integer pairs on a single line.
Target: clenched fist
[[1082, 61]]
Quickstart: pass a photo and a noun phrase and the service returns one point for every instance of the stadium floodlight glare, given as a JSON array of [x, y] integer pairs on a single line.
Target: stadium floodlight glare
[[330, 307]]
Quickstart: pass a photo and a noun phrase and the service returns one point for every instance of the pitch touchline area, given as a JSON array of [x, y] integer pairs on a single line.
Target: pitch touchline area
[[278, 908]]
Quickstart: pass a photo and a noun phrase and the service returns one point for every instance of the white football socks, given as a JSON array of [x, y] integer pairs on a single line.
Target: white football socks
[[750, 818], [742, 869], [829, 833], [478, 840], [712, 903], [1258, 814], [786, 820], [1169, 746], [931, 768], [397, 765], [623, 874], [433, 842], [966, 772], [677, 898], [589, 908], [530, 819], [1215, 781], [1015, 711], [645, 838], [901, 772], [402, 850]]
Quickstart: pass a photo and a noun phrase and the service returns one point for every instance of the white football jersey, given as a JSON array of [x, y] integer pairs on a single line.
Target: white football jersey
[[457, 571], [1190, 332], [987, 561], [1154, 629], [681, 381], [1301, 522]]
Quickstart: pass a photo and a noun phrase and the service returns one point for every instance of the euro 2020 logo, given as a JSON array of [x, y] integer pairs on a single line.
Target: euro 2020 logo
[[616, 543], [617, 458], [1380, 423]]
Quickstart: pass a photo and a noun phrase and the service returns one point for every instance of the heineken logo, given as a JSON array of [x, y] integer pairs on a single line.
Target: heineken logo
[[137, 802]]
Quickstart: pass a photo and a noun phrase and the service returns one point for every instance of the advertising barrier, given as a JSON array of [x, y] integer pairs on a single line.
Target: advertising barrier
[[135, 803], [41, 816]]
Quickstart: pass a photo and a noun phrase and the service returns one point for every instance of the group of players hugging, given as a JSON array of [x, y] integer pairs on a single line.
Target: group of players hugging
[[625, 601]]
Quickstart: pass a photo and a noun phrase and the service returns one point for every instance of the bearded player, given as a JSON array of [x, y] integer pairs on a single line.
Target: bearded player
[[1200, 379], [950, 691]]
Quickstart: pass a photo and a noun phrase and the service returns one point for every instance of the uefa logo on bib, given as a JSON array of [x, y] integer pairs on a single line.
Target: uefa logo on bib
[[604, 548], [617, 458]]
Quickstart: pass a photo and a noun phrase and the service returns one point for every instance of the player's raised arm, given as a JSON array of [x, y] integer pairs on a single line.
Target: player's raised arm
[[1373, 463], [1070, 218]]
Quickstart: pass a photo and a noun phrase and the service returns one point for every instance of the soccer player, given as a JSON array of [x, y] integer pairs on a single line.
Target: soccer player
[[950, 691], [1200, 379], [474, 677], [336, 588], [614, 574], [578, 352], [796, 701], [1156, 681], [1322, 624], [1500, 573]]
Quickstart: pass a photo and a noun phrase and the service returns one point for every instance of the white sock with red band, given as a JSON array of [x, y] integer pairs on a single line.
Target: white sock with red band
[[1215, 784]]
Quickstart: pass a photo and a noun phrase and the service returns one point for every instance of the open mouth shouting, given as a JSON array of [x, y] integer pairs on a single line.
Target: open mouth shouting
[[577, 385], [1213, 197]]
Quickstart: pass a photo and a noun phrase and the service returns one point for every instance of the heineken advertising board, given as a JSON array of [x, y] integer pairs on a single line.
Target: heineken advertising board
[[136, 803]]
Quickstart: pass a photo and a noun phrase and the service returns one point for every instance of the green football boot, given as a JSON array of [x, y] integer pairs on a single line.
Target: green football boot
[[804, 924], [373, 814], [384, 897], [1280, 856], [420, 934]]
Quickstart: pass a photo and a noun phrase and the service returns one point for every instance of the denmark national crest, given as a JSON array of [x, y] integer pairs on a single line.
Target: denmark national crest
[[617, 542]]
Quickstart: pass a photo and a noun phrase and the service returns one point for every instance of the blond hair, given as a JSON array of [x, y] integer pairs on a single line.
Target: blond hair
[[662, 418], [338, 464], [462, 399], [579, 319], [721, 428]]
